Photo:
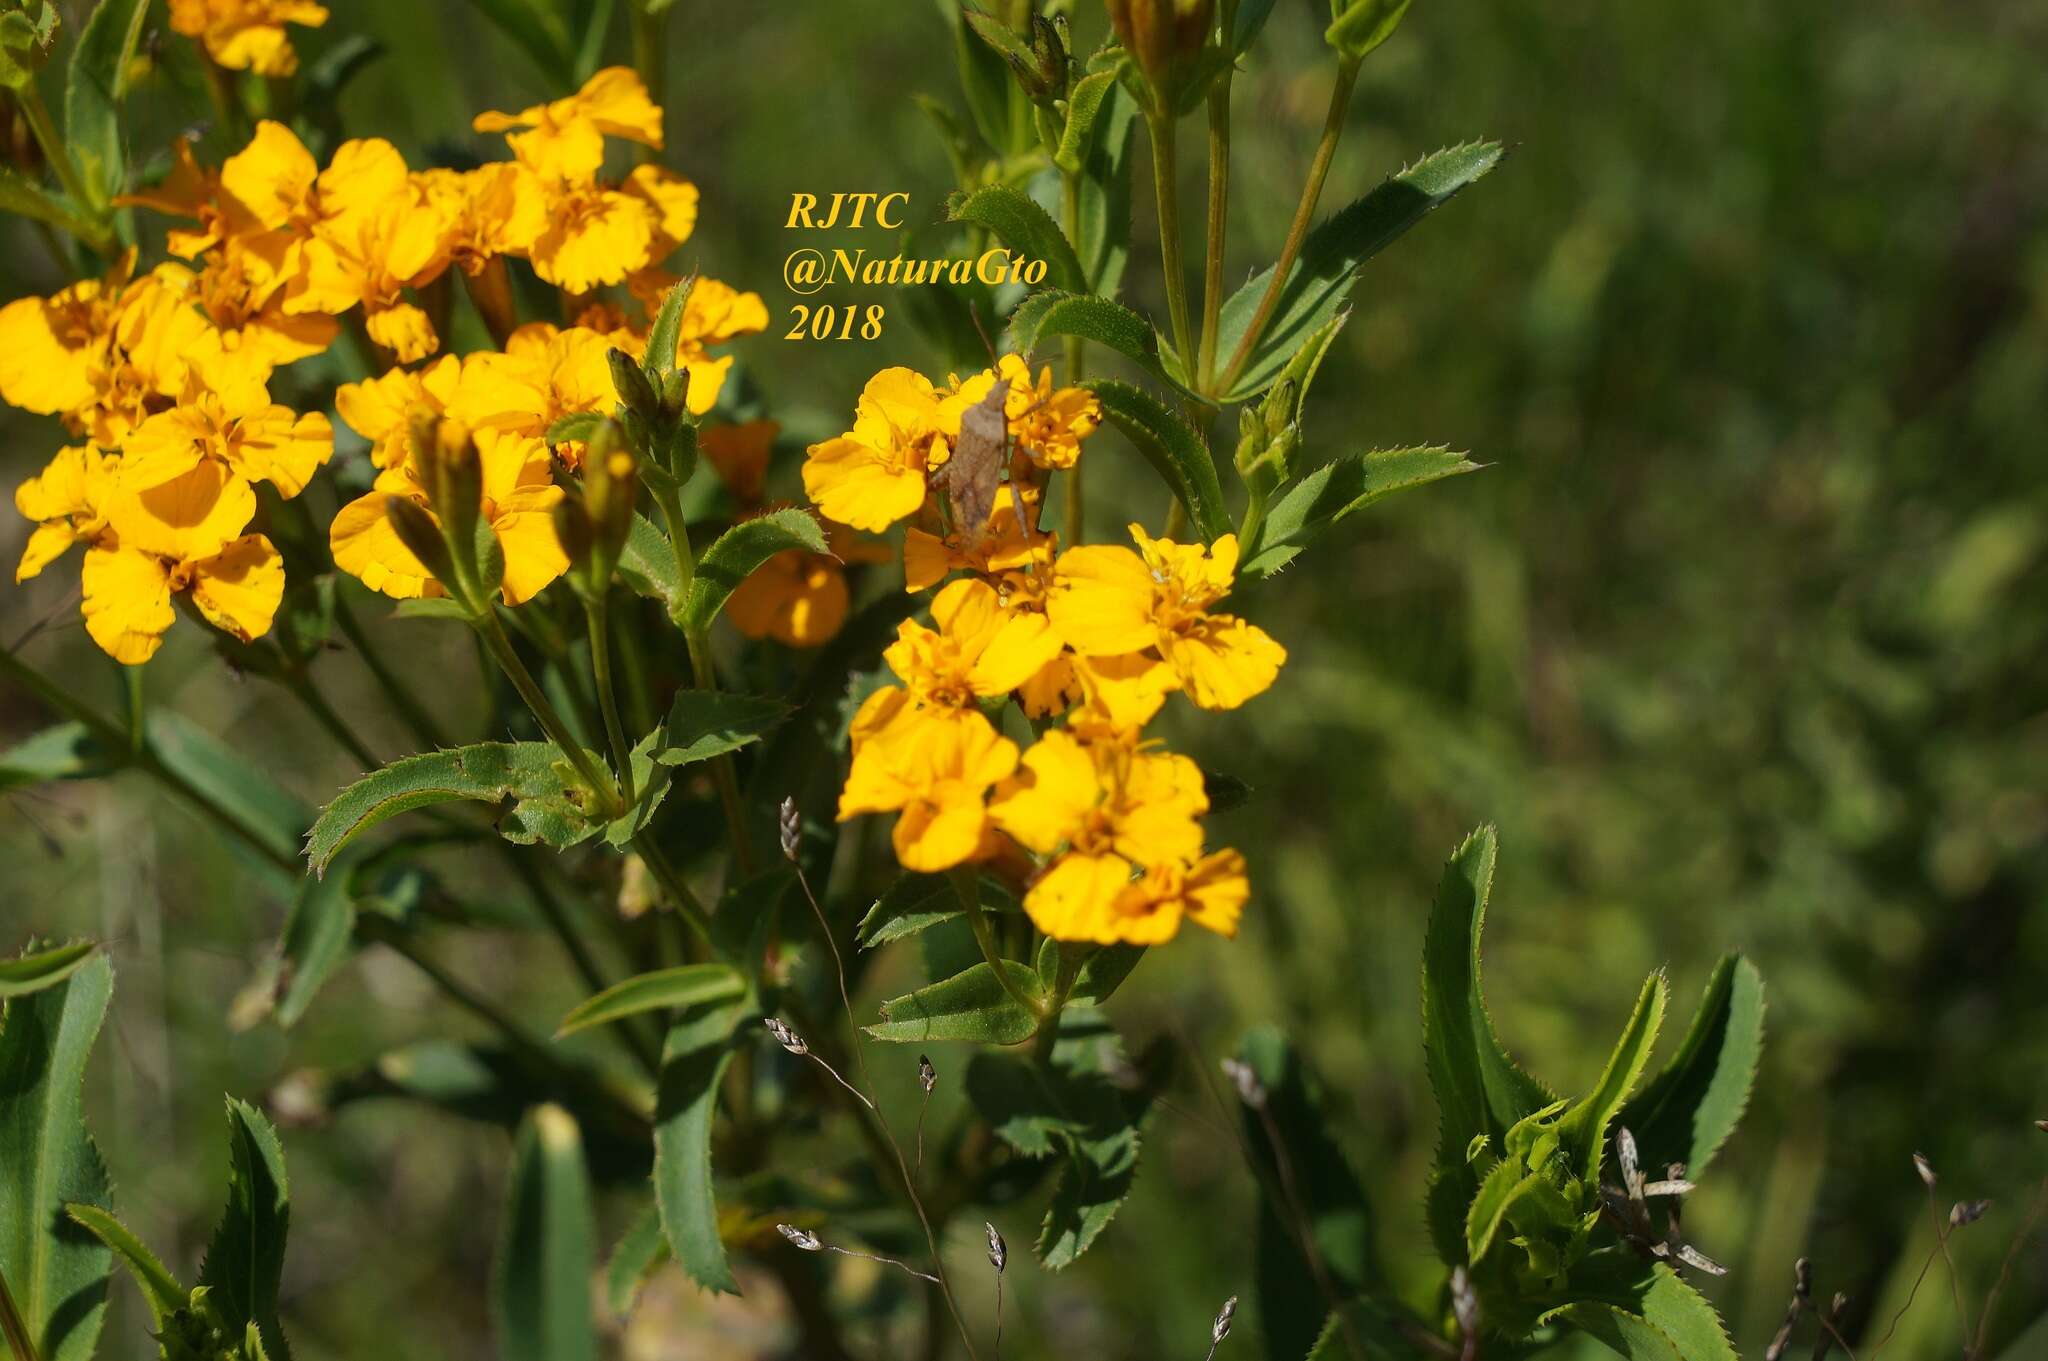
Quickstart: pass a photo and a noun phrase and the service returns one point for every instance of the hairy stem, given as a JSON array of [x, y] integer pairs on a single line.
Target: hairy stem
[[1076, 349], [969, 892], [500, 647], [1218, 224], [97, 233], [597, 615], [1165, 172]]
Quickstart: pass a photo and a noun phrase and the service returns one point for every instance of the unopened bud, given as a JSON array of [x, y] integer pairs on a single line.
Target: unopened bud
[[418, 531], [927, 1076], [1225, 1316], [1162, 36], [802, 1238], [1925, 1169], [791, 828], [572, 529], [633, 388], [1250, 1090], [1038, 55], [786, 1037], [998, 1250]]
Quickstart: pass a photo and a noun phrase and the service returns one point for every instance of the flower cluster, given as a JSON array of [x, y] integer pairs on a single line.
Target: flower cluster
[[165, 376], [1089, 643]]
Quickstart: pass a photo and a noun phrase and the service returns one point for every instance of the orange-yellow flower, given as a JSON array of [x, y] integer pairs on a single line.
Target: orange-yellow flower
[[565, 138], [370, 259], [67, 501], [978, 651], [1046, 424], [1108, 601], [542, 375], [519, 498], [937, 779], [49, 346], [739, 455], [247, 35], [380, 409], [875, 474], [181, 537], [495, 209], [797, 597], [1095, 898], [1104, 798], [227, 418], [1006, 548]]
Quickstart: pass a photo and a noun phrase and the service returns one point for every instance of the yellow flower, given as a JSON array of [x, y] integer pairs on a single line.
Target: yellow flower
[[184, 537], [542, 375], [371, 259], [565, 139], [937, 779], [247, 35], [496, 209], [1102, 798], [594, 236], [1045, 424], [978, 651], [875, 474], [739, 454], [1006, 548], [49, 346], [1095, 898], [67, 500], [227, 418], [380, 409], [519, 500], [800, 598], [241, 291], [1108, 601], [190, 190]]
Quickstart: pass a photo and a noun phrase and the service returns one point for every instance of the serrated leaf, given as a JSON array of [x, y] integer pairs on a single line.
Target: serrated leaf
[[973, 1006], [1582, 1130], [1085, 103], [1334, 1209], [638, 1255], [547, 1248], [245, 1258], [648, 563], [1339, 489], [1490, 1205], [1055, 313], [707, 723], [94, 87], [693, 1061], [1174, 450], [735, 554], [532, 774], [160, 1290], [64, 751], [1687, 1111], [683, 986], [1330, 258], [1027, 229], [575, 428], [1643, 1311], [56, 1272], [914, 903], [1479, 1090], [658, 360], [35, 970]]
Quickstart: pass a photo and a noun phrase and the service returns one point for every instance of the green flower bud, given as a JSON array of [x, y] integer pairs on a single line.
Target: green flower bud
[[634, 389], [1165, 38], [1358, 26], [28, 34], [419, 532]]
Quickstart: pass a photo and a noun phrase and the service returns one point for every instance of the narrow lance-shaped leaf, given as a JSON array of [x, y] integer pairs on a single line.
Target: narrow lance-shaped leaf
[[39, 969], [55, 1271], [1027, 229], [1338, 490], [693, 1062], [707, 723], [548, 1246], [160, 1290], [683, 986], [1175, 452], [245, 1258], [64, 751], [734, 556], [636, 1257], [973, 1006], [1687, 1111], [1054, 313], [93, 90], [1643, 1311], [914, 903], [1330, 258], [1582, 1130]]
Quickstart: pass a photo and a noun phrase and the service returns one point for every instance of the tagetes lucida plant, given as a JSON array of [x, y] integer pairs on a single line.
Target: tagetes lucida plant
[[296, 377]]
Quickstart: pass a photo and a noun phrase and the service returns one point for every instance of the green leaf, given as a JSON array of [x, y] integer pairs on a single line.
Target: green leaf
[[65, 751], [1051, 312], [534, 774], [693, 1061], [1365, 25], [914, 903], [1582, 1131], [1489, 1207], [547, 1248], [1175, 452], [25, 198], [432, 607], [1104, 238], [984, 79], [1643, 1311], [1103, 972], [707, 723], [1687, 1111], [1331, 256], [1339, 489], [648, 563], [1479, 1090], [56, 1272], [682, 986], [225, 775], [658, 360], [576, 427], [973, 1006], [39, 969], [319, 937], [1334, 1208], [639, 1254], [1019, 223], [94, 87], [536, 28], [160, 1289], [245, 1258], [1251, 17], [1085, 104], [735, 554]]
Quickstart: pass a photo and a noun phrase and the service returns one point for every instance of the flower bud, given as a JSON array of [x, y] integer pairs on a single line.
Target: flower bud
[[633, 388], [790, 826], [1038, 56], [611, 489], [1358, 26], [1163, 37], [417, 530]]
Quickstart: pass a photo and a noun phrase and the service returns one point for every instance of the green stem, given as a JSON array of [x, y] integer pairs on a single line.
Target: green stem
[[723, 772], [500, 647], [1076, 348], [1304, 212], [967, 887], [1165, 172], [687, 906], [1218, 223], [596, 611], [424, 729], [16, 1331], [98, 234], [1254, 519]]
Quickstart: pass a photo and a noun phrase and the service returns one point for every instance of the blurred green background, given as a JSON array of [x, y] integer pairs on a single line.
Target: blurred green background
[[1739, 638]]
